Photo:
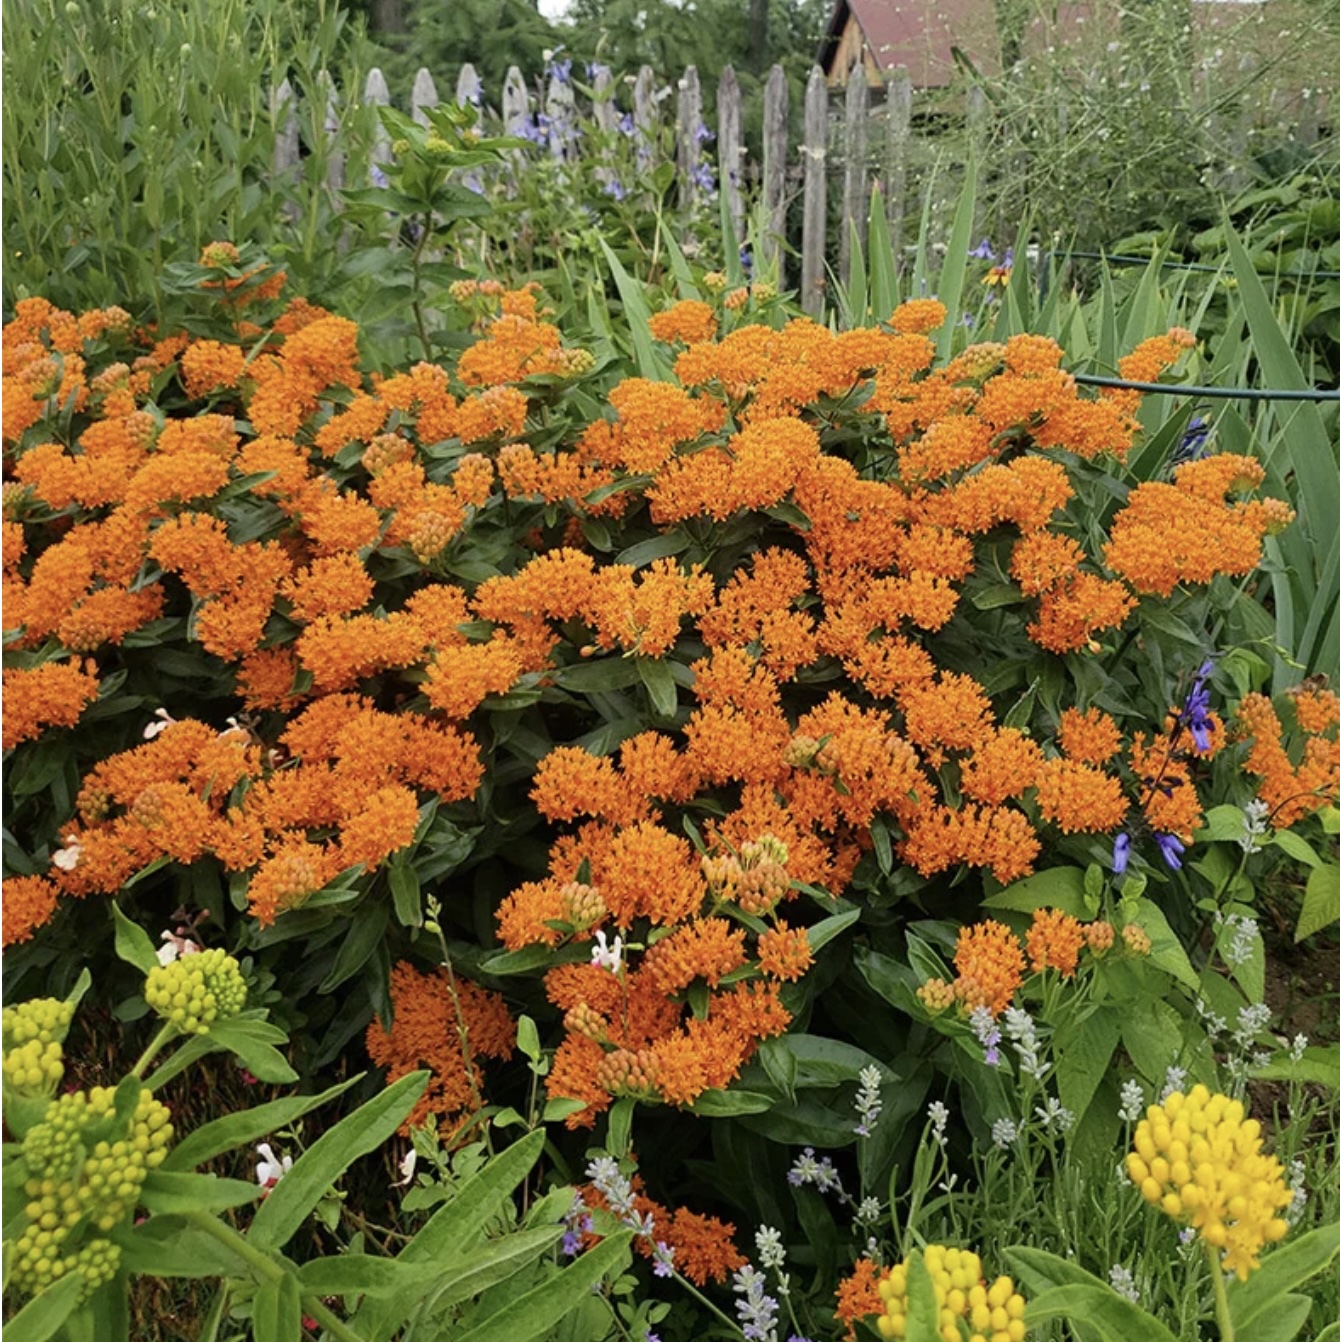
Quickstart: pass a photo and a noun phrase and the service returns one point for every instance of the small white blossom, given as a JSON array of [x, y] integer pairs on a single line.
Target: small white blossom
[[870, 1210], [1254, 828], [1298, 1047], [1004, 1133], [607, 957], [68, 857], [1054, 1114], [407, 1164], [939, 1117], [1174, 1079], [1251, 1021], [868, 1104], [270, 1169], [771, 1251], [1298, 1188], [1123, 1283], [174, 947], [165, 720]]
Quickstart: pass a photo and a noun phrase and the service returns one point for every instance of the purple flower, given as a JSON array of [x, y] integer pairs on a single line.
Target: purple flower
[[663, 1258], [626, 124], [703, 135], [1008, 260], [703, 178], [614, 187], [379, 177], [1193, 441], [747, 261], [983, 251], [1121, 853], [1172, 849], [560, 70], [1196, 709]]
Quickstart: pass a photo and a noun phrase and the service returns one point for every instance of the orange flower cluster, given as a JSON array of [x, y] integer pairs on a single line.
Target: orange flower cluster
[[990, 959], [54, 694], [1291, 789], [447, 1025]]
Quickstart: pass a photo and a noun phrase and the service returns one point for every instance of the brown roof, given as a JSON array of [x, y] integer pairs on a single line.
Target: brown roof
[[918, 36]]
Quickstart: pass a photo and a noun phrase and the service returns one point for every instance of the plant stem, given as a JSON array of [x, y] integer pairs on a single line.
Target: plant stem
[[1221, 1314], [167, 1033], [265, 1267]]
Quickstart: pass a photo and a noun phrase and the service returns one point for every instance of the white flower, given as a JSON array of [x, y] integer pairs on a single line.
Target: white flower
[[1132, 1101], [1123, 1282], [407, 1164], [1004, 1133], [165, 720], [270, 1169], [771, 1252], [174, 946], [1298, 1047], [68, 857], [607, 957]]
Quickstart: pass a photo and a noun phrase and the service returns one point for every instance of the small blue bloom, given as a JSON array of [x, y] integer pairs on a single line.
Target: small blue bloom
[[1121, 853], [1193, 441], [379, 177], [614, 187], [626, 124], [561, 71], [703, 178], [984, 251], [1172, 849], [704, 135], [747, 261], [1008, 259], [968, 320]]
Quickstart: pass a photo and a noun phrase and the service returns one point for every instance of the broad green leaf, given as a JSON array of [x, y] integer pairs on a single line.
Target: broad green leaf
[[456, 1228], [827, 928], [1321, 901], [132, 942], [361, 1274], [44, 1314], [1295, 846], [363, 1131], [406, 895], [715, 1103], [175, 1191], [170, 1246], [608, 673], [658, 547], [1165, 951], [620, 1131], [1112, 1317], [637, 317], [1056, 888], [252, 1042], [1223, 823], [276, 1311], [1319, 1066], [532, 1315], [660, 684], [922, 1313], [494, 1262], [1282, 1269], [367, 931], [883, 265], [1288, 1314], [1083, 1054]]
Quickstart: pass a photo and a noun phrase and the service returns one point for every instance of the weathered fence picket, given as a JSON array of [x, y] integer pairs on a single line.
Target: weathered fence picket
[[848, 138]]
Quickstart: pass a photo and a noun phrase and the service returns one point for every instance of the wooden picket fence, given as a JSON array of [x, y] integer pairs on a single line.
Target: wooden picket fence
[[845, 147]]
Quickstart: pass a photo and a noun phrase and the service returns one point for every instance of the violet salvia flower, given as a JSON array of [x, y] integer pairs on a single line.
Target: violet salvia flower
[[1172, 848], [1195, 710], [984, 251], [1121, 853]]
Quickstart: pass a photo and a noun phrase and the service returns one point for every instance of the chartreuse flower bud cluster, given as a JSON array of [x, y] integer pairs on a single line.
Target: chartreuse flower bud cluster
[[33, 1033], [196, 990], [993, 1313], [86, 1170], [1199, 1158]]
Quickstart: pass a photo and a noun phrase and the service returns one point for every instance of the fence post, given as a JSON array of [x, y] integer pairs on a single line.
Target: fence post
[[603, 110], [815, 151], [423, 95], [375, 95], [284, 113], [560, 106], [897, 135], [689, 147], [330, 124], [646, 117], [469, 87], [730, 147], [854, 184], [774, 171], [515, 103]]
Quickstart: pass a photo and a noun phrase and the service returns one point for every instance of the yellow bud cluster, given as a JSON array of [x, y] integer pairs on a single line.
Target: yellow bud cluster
[[1199, 1158], [87, 1173], [196, 990], [1136, 939], [993, 1313], [33, 1057], [624, 1072], [937, 995], [582, 905], [430, 534]]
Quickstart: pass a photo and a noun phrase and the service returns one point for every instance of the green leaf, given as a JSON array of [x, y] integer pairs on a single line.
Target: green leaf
[[250, 1041], [716, 1103], [658, 547], [1319, 1066], [492, 1263], [922, 1314], [1083, 1054], [175, 1191], [1296, 846], [1056, 888], [610, 673], [170, 1246], [406, 895], [1282, 1270], [1223, 824], [1165, 949], [363, 1131], [638, 318], [827, 928], [620, 1133], [132, 942], [1112, 1317], [367, 931], [44, 1314], [361, 1274], [532, 1315], [1321, 901], [661, 688], [955, 268], [1288, 1314], [276, 1311]]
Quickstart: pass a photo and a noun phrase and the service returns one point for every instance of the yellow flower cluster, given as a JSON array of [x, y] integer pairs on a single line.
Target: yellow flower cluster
[[994, 1313], [33, 1057], [1199, 1158]]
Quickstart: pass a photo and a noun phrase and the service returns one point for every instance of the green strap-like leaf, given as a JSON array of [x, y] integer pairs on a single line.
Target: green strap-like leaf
[[533, 1314], [923, 1323], [494, 1262], [233, 1130], [44, 1314], [298, 1192], [276, 1311], [1111, 1316], [172, 1191]]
